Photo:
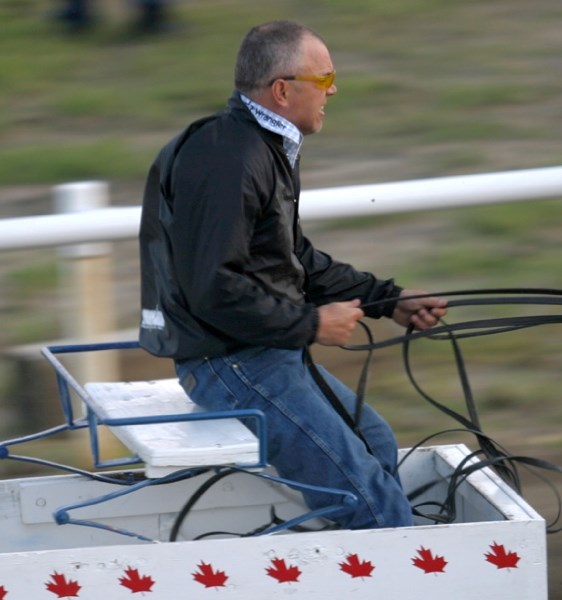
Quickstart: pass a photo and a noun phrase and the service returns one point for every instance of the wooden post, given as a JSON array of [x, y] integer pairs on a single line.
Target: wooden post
[[87, 303]]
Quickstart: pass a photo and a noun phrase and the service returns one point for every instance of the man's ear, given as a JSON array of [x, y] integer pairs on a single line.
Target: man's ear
[[280, 90]]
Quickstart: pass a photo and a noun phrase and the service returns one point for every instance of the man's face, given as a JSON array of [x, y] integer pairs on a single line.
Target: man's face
[[307, 99]]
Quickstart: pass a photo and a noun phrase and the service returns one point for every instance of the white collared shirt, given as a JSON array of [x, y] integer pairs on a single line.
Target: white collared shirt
[[292, 137]]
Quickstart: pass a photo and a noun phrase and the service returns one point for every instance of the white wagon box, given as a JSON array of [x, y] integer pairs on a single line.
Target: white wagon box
[[495, 548]]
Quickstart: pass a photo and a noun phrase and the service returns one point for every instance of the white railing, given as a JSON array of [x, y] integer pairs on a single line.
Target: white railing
[[87, 224]]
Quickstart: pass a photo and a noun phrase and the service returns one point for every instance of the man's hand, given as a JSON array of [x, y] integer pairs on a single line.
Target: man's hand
[[422, 313], [336, 322]]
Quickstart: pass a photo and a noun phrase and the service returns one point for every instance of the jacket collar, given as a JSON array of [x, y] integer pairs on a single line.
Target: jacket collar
[[292, 138]]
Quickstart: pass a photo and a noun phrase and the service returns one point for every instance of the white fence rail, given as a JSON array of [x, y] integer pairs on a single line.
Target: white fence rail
[[90, 224]]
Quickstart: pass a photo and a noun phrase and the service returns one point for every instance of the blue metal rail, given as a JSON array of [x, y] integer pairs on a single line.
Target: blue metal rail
[[67, 384]]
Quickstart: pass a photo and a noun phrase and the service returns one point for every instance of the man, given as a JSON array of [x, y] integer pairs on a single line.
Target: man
[[78, 15], [235, 294]]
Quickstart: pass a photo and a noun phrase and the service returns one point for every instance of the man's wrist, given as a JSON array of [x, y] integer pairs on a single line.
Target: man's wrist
[[392, 296]]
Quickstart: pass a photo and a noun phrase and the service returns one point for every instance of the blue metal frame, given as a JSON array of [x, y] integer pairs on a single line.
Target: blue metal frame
[[66, 382], [62, 516]]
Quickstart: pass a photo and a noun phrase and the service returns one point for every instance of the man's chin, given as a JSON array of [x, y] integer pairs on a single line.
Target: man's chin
[[317, 128]]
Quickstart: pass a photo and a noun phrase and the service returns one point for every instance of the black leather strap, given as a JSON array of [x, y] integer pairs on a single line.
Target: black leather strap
[[333, 398]]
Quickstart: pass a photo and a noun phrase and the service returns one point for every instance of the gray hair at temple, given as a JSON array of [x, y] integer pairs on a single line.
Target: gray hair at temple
[[269, 51]]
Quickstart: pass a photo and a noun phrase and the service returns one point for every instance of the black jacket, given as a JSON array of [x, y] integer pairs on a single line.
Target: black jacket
[[224, 263]]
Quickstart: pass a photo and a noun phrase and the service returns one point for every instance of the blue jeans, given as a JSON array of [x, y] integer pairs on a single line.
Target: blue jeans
[[308, 441]]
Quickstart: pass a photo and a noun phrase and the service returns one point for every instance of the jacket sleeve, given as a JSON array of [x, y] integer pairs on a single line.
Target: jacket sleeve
[[332, 281]]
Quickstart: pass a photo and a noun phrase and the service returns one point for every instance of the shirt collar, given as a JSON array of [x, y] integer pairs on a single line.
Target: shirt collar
[[292, 137]]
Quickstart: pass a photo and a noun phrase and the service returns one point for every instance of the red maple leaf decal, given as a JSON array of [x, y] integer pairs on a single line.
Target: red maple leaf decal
[[3, 592], [209, 577], [282, 573], [355, 567], [135, 582], [429, 563], [502, 559], [62, 587]]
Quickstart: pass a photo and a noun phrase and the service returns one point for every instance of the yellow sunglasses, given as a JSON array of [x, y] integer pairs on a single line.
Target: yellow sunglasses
[[324, 82]]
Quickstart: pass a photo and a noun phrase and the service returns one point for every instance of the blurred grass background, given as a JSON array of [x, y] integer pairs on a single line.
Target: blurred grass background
[[427, 88]]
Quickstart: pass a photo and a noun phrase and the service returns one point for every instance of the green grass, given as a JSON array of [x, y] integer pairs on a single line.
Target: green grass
[[108, 158], [35, 278], [427, 74]]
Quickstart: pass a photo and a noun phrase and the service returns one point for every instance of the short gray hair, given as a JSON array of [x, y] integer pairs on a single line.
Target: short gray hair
[[268, 51]]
